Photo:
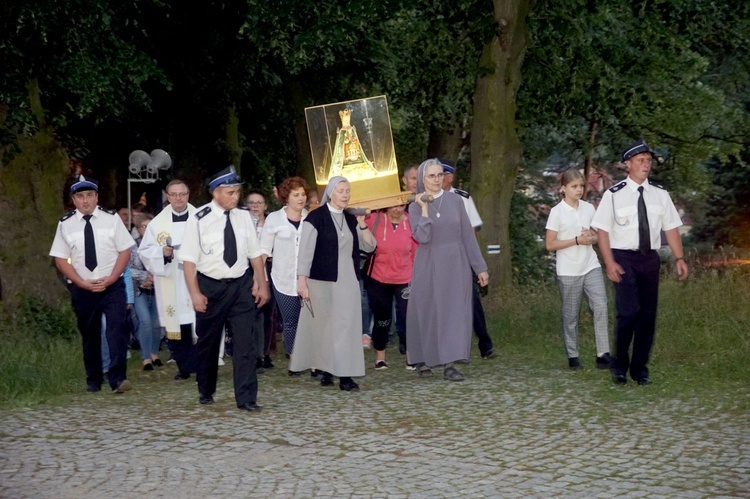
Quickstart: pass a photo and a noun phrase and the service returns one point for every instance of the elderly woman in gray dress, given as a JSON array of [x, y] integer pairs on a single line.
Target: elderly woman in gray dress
[[329, 338], [439, 313]]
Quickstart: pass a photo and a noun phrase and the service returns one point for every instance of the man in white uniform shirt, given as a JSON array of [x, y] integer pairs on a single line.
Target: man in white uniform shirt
[[220, 241], [160, 253], [92, 249], [630, 219], [478, 319]]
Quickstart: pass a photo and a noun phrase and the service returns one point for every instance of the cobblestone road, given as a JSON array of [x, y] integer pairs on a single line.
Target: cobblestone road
[[501, 433]]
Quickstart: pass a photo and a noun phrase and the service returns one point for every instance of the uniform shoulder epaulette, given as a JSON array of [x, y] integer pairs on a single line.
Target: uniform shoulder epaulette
[[105, 210], [658, 185], [67, 215], [617, 187], [461, 193], [202, 213], [243, 207]]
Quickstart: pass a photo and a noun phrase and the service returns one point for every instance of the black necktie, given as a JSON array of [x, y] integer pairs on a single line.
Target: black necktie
[[180, 218], [644, 236], [88, 244], [230, 243]]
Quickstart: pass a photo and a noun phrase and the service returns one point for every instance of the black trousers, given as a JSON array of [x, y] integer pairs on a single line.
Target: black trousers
[[636, 297], [184, 351], [89, 307], [231, 302], [478, 320], [262, 322], [381, 296]]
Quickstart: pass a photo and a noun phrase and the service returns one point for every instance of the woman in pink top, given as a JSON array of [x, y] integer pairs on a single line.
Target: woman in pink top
[[389, 276]]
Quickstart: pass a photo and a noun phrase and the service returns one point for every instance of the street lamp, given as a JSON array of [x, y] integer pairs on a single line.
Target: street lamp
[[144, 168]]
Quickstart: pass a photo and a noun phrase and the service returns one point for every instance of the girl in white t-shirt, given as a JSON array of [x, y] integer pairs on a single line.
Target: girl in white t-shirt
[[569, 233]]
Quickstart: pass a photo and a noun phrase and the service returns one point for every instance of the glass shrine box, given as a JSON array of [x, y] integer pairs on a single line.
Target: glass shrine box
[[353, 139]]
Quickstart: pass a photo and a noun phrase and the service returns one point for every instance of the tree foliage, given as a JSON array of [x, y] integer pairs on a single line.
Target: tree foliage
[[215, 83], [622, 71], [83, 56]]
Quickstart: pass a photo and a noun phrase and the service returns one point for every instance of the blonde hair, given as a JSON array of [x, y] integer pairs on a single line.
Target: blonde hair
[[568, 176]]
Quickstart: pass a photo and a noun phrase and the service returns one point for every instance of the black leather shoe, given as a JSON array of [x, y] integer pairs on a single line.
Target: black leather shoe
[[181, 376], [348, 385], [93, 388], [326, 379], [158, 363], [643, 381], [250, 406], [402, 348], [267, 363], [619, 379], [574, 364], [604, 362], [205, 400]]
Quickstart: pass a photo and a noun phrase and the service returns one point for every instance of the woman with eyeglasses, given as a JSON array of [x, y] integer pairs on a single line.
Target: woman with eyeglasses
[[255, 201], [439, 314], [329, 336], [149, 330], [279, 242]]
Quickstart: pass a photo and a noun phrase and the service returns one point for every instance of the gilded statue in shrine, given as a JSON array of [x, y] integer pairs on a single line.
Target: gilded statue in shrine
[[353, 139], [349, 158]]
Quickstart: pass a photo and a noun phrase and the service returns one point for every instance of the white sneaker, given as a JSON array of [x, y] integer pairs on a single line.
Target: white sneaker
[[221, 362], [366, 341]]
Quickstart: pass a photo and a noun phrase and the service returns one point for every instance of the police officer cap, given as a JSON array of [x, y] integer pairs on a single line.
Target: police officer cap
[[225, 178], [84, 184], [637, 148], [448, 165]]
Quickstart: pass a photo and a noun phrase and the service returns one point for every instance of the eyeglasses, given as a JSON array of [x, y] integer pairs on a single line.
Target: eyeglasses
[[434, 176], [255, 203], [178, 194]]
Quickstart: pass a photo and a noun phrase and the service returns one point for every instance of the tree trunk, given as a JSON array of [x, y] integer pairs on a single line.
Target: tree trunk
[[444, 143], [35, 101], [298, 101], [30, 205], [588, 165], [496, 153], [233, 139]]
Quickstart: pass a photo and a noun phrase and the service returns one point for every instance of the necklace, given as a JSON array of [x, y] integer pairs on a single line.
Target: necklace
[[437, 210], [339, 225]]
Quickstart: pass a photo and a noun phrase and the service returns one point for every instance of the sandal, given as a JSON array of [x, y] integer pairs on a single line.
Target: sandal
[[452, 374], [423, 371]]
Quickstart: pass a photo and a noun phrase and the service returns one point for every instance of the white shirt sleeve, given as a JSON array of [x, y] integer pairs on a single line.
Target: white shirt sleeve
[[671, 219], [60, 247], [123, 240], [471, 210], [190, 248], [553, 221], [603, 216]]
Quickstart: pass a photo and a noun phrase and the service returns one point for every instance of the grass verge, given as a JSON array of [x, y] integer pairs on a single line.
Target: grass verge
[[700, 353]]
